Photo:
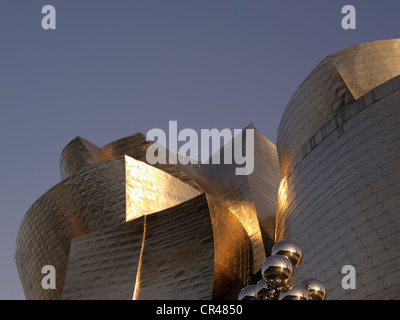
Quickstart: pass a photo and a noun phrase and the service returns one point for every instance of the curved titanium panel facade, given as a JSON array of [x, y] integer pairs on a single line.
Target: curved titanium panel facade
[[340, 199], [195, 250], [112, 225], [79, 154], [104, 195], [118, 228], [103, 265], [76, 206], [334, 84], [251, 198]]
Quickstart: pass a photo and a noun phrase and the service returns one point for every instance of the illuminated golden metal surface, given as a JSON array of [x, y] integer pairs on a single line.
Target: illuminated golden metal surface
[[338, 199], [295, 292], [81, 226], [252, 198], [289, 249], [87, 201], [150, 190], [316, 289], [195, 250], [140, 262], [333, 85], [80, 154], [277, 270], [233, 252], [368, 65], [339, 165]]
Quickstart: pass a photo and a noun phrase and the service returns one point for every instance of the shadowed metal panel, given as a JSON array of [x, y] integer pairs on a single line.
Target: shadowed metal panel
[[233, 253], [85, 202], [316, 100], [76, 155], [333, 85], [252, 198], [178, 253], [103, 264], [195, 250]]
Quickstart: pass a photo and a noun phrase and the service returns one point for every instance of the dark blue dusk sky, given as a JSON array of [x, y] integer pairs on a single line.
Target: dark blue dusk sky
[[114, 68]]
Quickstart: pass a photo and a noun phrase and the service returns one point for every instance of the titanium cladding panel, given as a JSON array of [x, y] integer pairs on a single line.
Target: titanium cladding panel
[[339, 197]]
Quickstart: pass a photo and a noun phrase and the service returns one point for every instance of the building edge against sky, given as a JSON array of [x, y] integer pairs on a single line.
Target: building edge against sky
[[118, 228]]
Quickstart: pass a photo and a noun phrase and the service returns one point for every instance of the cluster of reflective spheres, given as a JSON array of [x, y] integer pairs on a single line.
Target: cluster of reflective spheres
[[276, 272]]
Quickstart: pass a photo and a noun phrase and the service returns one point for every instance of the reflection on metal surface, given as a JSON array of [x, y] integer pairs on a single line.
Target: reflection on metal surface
[[150, 190], [333, 85], [296, 292], [192, 237], [290, 249], [248, 293], [315, 288], [252, 199], [139, 267], [277, 271], [180, 233], [264, 291]]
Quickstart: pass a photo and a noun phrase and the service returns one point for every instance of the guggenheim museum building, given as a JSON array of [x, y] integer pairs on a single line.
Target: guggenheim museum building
[[117, 227]]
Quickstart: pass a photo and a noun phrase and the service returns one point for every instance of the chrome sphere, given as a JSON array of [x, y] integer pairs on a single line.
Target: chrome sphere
[[277, 271], [248, 293], [289, 249], [315, 288], [264, 290], [296, 292]]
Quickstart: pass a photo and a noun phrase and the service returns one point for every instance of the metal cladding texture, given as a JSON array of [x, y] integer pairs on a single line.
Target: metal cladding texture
[[150, 190], [83, 203], [111, 223], [251, 198], [116, 227], [103, 264], [334, 84], [80, 154], [195, 250], [340, 198]]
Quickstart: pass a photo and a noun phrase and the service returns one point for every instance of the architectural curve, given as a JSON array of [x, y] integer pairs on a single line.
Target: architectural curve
[[340, 199], [107, 222], [334, 84], [104, 195], [251, 198]]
